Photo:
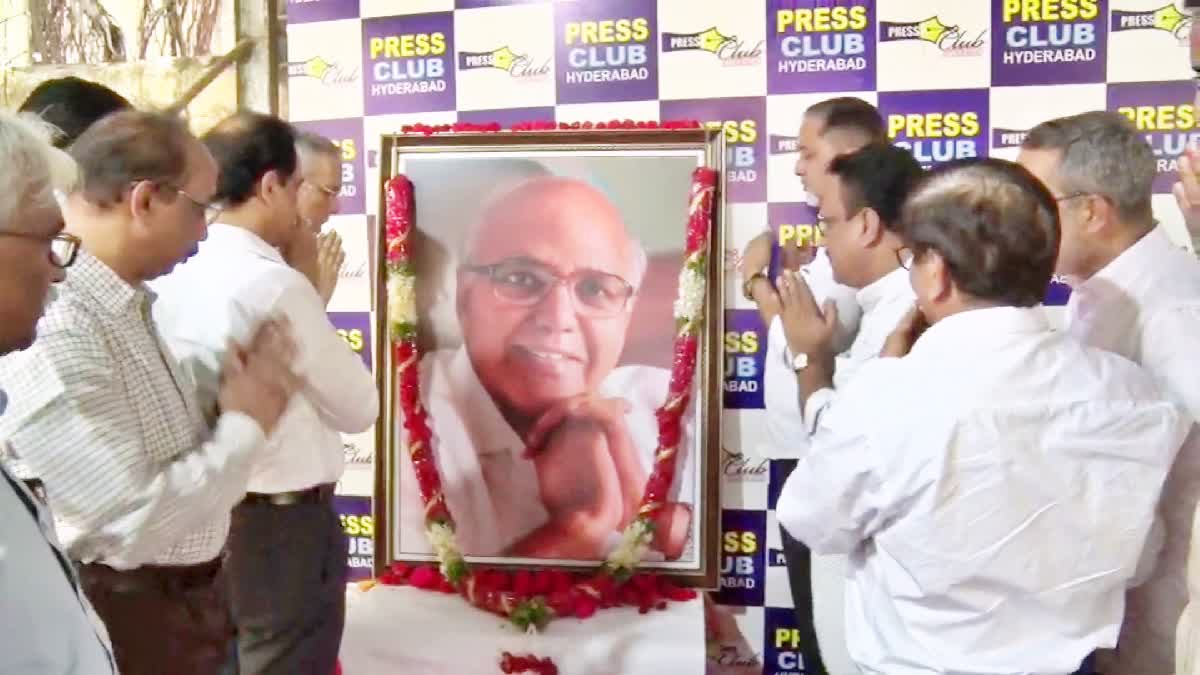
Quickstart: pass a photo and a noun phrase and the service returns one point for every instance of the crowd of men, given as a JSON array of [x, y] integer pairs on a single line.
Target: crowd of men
[[174, 392], [984, 490]]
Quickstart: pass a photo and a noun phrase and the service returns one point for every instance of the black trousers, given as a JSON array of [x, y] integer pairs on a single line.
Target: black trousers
[[287, 582], [799, 569]]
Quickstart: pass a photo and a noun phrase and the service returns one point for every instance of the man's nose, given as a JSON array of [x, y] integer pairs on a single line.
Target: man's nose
[[799, 169], [556, 310], [57, 274]]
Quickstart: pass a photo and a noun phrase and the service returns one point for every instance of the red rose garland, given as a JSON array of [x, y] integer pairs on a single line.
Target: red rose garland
[[531, 598]]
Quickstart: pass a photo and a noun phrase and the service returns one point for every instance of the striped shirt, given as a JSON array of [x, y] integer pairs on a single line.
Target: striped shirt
[[102, 414]]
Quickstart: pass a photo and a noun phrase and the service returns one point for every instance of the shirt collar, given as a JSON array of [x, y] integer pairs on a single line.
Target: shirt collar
[[884, 288], [976, 326], [230, 236], [490, 431], [97, 280], [1133, 266]]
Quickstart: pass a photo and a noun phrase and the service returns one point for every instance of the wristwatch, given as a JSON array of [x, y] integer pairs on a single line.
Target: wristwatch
[[799, 362], [748, 284]]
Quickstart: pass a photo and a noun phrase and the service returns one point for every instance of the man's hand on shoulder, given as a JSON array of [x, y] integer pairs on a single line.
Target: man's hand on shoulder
[[257, 380]]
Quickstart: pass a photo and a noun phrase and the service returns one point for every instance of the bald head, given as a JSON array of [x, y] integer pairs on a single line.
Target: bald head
[[558, 217], [545, 294]]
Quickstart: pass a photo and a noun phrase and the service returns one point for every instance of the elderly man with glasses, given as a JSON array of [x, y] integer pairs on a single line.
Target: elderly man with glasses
[[545, 292], [140, 479], [1136, 294]]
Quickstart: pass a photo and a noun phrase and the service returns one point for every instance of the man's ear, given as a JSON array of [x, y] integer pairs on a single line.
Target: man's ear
[[938, 280], [141, 196], [871, 230]]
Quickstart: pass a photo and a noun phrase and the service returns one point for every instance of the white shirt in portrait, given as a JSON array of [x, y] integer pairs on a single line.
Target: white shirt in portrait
[[491, 490]]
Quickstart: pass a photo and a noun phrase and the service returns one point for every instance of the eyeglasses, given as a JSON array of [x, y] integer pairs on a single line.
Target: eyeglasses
[[210, 211], [63, 247], [906, 257], [524, 282], [1073, 195], [328, 191]]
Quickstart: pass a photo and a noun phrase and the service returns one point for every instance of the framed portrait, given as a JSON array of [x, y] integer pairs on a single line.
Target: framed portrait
[[547, 269]]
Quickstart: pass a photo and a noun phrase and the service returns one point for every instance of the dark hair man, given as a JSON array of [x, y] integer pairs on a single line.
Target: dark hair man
[[1135, 294], [829, 128], [140, 482], [960, 472], [72, 105], [288, 606]]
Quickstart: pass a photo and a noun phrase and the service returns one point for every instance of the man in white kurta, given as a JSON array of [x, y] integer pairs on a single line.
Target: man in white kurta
[[1138, 295], [993, 483], [545, 291]]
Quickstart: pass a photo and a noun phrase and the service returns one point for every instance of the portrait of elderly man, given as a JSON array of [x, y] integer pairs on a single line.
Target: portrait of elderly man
[[544, 433]]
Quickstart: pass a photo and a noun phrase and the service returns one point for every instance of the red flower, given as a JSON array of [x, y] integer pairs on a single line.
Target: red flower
[[669, 428], [425, 578], [683, 364], [561, 580], [585, 607], [543, 582], [523, 584]]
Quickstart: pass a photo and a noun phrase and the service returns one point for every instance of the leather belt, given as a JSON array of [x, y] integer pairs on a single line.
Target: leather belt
[[152, 577], [320, 494]]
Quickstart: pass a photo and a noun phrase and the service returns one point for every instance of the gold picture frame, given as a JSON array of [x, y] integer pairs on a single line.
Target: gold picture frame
[[633, 161]]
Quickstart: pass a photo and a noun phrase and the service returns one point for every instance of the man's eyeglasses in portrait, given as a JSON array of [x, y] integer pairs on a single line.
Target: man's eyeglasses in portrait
[[524, 282]]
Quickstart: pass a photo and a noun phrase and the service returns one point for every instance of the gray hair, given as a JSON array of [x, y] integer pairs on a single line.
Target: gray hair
[[33, 169], [1102, 154], [309, 143]]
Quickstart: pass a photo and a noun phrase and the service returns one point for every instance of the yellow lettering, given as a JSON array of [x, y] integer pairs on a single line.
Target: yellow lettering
[[789, 637], [407, 46], [348, 148], [353, 338], [1161, 117], [821, 19], [609, 31], [1039, 11]]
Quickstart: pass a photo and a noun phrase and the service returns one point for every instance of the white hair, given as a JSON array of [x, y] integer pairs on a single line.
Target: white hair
[[33, 170], [503, 188]]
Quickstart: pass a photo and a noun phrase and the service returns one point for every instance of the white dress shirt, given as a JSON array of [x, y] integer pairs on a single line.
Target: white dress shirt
[[234, 283], [786, 434], [1145, 305], [994, 489], [884, 302], [866, 317], [490, 488], [104, 416]]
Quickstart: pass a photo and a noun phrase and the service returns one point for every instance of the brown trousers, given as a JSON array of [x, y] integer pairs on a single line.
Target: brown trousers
[[163, 620]]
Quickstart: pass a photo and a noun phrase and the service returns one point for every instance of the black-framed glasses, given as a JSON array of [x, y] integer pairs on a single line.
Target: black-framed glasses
[[63, 247], [524, 282], [906, 257], [210, 210]]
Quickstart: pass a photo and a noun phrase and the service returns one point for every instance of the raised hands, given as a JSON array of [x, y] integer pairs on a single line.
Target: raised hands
[[257, 379]]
